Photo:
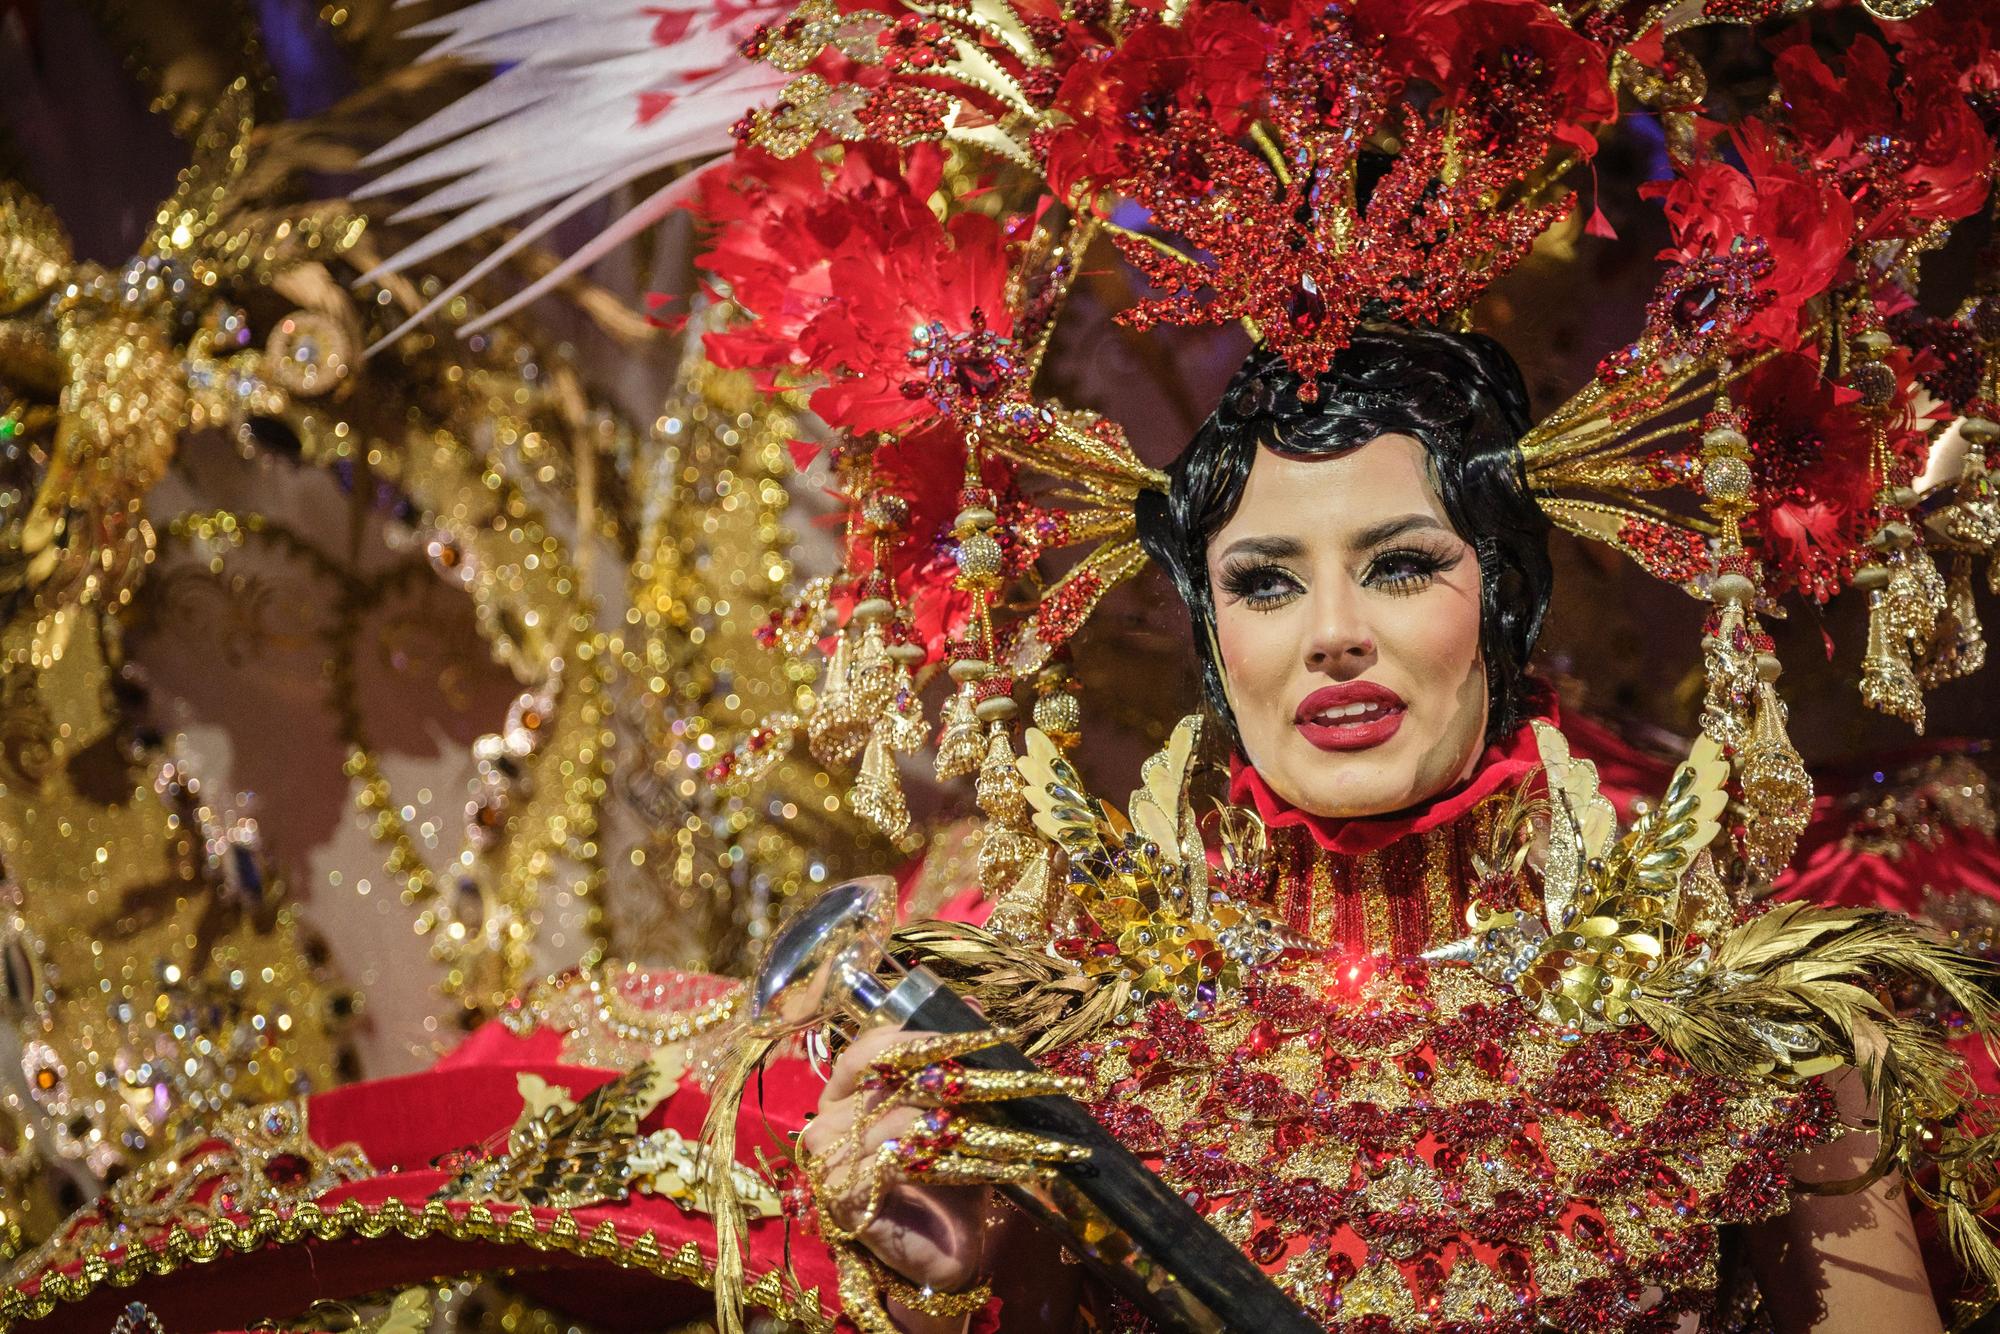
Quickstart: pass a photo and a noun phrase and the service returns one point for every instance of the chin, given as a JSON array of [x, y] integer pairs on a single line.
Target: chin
[[1339, 788], [1355, 807]]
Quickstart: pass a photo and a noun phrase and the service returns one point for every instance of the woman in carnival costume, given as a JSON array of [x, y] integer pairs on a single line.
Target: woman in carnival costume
[[1403, 1123], [1413, 1018]]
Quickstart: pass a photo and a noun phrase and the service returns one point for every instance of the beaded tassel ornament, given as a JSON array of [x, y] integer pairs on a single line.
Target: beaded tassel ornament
[[881, 687], [1906, 594], [1968, 524], [1741, 711], [986, 692]]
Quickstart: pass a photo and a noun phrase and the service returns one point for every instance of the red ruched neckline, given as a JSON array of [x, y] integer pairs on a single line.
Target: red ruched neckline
[[1503, 764]]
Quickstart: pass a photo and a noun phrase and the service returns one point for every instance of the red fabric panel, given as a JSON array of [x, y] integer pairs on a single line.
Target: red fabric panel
[[496, 1044]]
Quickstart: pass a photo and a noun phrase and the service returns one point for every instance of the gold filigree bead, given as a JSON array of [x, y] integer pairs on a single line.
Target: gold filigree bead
[[1876, 383], [1726, 478], [1060, 715], [885, 511], [980, 558]]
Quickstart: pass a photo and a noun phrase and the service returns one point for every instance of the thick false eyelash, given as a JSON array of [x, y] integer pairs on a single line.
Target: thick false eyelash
[[1243, 581], [1420, 567]]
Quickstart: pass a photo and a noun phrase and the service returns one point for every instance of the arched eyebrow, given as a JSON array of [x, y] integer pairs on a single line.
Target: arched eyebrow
[[1270, 548], [1377, 533], [1290, 548]]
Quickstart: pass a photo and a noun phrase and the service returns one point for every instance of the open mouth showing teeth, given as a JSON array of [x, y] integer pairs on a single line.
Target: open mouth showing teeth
[[1352, 713]]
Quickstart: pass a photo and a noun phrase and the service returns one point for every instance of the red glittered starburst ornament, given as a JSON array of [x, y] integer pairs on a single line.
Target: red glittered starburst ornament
[[1254, 140]]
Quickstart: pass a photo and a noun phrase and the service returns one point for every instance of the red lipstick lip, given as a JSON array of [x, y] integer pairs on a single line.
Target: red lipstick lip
[[1357, 733]]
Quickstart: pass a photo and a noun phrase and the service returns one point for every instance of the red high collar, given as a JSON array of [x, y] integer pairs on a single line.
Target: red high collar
[[1502, 764]]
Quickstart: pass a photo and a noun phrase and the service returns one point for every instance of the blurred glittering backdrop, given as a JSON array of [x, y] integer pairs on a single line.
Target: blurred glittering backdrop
[[389, 685]]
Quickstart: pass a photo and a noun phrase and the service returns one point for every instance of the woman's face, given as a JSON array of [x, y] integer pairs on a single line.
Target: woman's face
[[1347, 615]]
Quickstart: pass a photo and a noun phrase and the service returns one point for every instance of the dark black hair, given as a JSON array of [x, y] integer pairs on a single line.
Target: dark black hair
[[1460, 395]]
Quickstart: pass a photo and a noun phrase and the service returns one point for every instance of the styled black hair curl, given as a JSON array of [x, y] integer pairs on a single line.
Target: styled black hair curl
[[1460, 395]]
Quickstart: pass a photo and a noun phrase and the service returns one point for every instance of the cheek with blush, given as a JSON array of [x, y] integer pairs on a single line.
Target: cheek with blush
[[1256, 654], [1434, 644]]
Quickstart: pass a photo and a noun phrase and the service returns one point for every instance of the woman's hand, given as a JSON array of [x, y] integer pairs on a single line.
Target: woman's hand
[[932, 1235], [901, 1162]]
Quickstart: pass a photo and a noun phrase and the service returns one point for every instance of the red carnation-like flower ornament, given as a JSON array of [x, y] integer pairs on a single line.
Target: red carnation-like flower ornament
[[891, 314], [1754, 244]]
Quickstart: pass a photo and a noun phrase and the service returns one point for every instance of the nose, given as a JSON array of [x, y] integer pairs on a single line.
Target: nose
[[1341, 644]]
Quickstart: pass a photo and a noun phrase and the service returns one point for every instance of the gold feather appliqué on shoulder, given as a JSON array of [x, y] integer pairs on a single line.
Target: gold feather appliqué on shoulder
[[1142, 875], [1634, 931]]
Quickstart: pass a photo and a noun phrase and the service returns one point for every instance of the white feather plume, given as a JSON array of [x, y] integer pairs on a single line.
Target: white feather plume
[[586, 99]]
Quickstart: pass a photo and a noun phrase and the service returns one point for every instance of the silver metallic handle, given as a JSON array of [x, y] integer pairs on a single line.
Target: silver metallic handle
[[910, 994]]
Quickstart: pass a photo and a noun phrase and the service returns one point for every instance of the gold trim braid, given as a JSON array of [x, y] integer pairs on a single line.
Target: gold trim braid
[[351, 1219]]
